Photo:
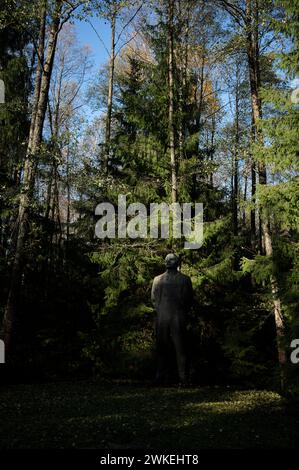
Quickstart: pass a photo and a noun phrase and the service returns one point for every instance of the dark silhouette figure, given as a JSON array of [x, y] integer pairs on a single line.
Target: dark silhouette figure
[[172, 296]]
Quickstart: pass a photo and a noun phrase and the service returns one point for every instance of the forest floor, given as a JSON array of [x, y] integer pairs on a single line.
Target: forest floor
[[119, 416]]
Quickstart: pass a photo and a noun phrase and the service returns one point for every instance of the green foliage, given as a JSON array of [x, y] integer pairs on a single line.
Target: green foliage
[[94, 295], [261, 267]]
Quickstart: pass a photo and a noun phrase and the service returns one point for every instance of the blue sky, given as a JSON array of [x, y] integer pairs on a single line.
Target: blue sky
[[99, 56], [87, 36]]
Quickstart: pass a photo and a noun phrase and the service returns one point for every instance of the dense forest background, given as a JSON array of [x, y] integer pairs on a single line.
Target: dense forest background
[[196, 104]]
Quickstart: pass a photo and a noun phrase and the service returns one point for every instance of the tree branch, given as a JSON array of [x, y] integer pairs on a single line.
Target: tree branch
[[128, 22]]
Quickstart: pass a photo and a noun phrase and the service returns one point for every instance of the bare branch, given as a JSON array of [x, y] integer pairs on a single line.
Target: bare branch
[[128, 22], [68, 13], [236, 12], [99, 37], [127, 42]]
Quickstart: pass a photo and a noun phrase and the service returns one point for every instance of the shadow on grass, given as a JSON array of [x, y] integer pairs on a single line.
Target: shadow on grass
[[115, 416]]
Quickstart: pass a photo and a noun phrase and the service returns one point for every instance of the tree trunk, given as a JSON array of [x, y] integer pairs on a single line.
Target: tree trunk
[[254, 77], [42, 84], [68, 189], [49, 193], [183, 51], [278, 315], [236, 156], [110, 93], [252, 210], [213, 132], [171, 103], [40, 61], [245, 198], [202, 78]]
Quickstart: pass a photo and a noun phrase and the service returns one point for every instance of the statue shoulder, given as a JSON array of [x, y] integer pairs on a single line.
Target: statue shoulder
[[185, 278], [159, 278]]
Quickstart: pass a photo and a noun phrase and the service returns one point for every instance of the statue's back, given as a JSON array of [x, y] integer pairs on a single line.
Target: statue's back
[[173, 293]]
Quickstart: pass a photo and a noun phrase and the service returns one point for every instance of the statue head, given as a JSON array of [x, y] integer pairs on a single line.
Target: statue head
[[171, 261]]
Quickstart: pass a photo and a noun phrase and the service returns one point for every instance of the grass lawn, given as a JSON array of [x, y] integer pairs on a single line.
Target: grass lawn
[[115, 415]]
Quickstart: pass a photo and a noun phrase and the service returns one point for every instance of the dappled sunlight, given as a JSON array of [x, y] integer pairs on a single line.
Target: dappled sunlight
[[91, 415]]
